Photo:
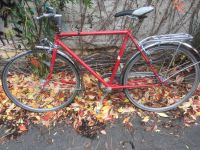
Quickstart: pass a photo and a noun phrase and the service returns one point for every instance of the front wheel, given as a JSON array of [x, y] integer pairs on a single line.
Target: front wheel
[[175, 65], [25, 81]]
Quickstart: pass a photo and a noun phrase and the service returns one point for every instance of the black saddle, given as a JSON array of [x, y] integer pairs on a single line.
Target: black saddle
[[138, 13]]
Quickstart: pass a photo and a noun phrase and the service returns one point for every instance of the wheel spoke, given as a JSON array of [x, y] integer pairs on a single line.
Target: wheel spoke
[[173, 59], [181, 71]]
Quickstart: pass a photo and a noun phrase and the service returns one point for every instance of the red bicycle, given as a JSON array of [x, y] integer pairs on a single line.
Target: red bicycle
[[160, 76]]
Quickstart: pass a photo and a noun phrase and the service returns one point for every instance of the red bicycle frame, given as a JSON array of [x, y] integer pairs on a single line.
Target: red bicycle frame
[[127, 36]]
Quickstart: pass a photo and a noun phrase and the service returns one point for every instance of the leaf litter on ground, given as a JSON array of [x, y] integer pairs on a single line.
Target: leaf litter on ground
[[84, 118]]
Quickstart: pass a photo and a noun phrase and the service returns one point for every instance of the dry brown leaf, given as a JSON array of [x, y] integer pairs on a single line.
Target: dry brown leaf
[[22, 128], [106, 109], [83, 108], [197, 113], [163, 115], [186, 105], [145, 119], [126, 120], [47, 116]]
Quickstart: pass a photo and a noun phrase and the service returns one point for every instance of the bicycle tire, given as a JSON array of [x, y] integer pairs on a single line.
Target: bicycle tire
[[181, 80], [24, 78]]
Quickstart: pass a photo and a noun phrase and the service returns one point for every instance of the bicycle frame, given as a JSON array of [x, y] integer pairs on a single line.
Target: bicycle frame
[[109, 84]]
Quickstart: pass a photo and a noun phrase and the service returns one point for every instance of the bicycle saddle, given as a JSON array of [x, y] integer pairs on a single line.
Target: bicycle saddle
[[139, 13]]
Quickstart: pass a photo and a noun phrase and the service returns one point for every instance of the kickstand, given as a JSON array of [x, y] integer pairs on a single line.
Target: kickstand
[[100, 103]]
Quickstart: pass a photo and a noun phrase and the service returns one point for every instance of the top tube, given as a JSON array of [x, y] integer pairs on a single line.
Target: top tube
[[62, 34]]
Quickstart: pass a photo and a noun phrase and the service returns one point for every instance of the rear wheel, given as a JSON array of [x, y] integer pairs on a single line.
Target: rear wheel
[[175, 65], [25, 81]]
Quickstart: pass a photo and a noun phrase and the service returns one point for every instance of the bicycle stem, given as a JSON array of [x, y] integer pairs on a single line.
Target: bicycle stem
[[121, 52]]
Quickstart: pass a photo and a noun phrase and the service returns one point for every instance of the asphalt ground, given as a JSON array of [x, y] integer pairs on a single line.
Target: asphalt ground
[[116, 136]]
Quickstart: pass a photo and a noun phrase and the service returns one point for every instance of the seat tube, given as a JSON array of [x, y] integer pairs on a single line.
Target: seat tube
[[146, 59], [120, 54]]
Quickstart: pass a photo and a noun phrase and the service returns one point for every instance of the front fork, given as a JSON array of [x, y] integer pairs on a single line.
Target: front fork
[[54, 54]]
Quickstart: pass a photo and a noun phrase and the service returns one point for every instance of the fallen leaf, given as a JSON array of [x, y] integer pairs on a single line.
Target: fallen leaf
[[126, 110], [35, 62], [163, 115], [146, 119], [103, 132], [198, 114], [22, 128], [186, 105], [106, 109], [38, 118], [12, 106], [46, 123], [196, 103], [179, 79], [91, 97], [157, 130], [48, 116], [126, 120]]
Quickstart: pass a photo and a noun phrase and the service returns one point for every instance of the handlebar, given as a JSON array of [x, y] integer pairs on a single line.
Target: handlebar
[[56, 19], [48, 16]]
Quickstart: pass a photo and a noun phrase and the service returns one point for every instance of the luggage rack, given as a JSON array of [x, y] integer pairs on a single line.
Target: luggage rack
[[179, 37]]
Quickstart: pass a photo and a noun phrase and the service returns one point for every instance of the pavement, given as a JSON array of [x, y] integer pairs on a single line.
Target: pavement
[[115, 137]]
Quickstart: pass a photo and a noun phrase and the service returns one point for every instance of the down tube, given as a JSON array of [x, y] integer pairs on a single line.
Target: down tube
[[82, 62]]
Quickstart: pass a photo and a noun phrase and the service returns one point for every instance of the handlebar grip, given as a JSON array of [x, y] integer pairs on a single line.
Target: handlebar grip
[[45, 15], [56, 17], [38, 18]]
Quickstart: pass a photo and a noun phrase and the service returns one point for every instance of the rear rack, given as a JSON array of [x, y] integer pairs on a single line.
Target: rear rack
[[180, 37]]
